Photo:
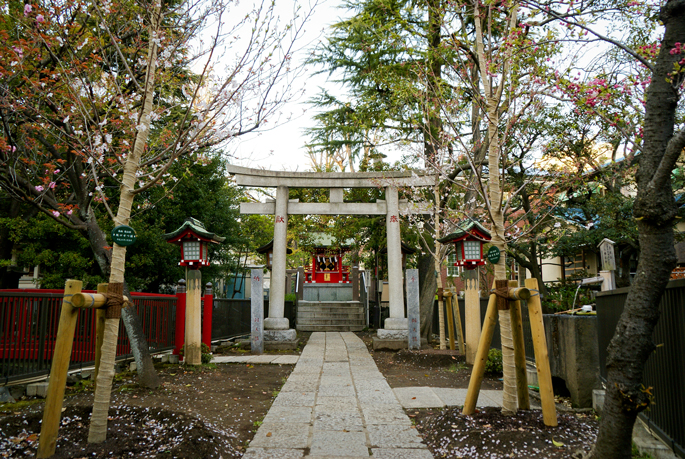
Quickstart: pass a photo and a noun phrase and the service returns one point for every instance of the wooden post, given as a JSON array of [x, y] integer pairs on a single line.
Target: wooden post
[[441, 320], [192, 352], [481, 356], [99, 333], [458, 325], [58, 371], [472, 318], [519, 351], [450, 317], [537, 328]]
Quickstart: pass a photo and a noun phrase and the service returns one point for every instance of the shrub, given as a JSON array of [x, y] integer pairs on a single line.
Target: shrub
[[494, 363], [560, 295], [205, 353]]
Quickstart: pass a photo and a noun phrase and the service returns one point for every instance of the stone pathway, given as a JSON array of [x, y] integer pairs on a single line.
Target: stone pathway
[[265, 358], [336, 404]]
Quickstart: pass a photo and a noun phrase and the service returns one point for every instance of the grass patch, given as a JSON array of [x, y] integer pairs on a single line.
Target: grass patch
[[8, 408]]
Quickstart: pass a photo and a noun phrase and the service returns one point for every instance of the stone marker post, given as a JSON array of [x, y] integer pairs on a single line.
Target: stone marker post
[[606, 250], [257, 316], [396, 322], [413, 313]]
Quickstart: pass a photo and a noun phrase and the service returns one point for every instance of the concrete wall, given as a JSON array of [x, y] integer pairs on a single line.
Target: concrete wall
[[574, 354], [327, 292]]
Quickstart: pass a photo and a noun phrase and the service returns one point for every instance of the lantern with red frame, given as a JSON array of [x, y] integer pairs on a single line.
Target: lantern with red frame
[[468, 240], [194, 240]]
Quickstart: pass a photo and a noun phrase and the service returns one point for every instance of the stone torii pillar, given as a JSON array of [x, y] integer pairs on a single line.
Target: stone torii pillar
[[276, 326], [396, 326]]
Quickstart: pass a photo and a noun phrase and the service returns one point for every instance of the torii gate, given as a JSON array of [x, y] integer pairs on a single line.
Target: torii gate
[[276, 326]]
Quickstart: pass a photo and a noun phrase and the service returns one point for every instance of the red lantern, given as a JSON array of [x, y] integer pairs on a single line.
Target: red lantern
[[194, 240], [468, 240]]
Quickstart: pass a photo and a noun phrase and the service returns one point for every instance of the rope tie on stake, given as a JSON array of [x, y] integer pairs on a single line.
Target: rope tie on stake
[[115, 300], [501, 290]]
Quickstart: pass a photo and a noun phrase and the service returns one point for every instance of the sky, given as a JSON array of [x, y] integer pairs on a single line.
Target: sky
[[283, 147]]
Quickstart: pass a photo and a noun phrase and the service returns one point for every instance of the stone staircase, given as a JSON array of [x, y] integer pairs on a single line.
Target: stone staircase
[[330, 316]]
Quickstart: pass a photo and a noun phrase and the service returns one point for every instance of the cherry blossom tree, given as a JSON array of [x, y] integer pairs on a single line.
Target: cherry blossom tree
[[99, 99]]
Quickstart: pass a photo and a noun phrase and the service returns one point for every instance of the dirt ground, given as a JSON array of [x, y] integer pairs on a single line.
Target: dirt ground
[[213, 411]]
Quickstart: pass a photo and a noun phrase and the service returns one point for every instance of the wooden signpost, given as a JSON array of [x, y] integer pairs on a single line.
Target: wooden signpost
[[505, 297], [72, 302]]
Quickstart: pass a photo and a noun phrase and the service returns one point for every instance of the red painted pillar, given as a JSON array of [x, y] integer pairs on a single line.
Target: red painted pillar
[[207, 315], [180, 336]]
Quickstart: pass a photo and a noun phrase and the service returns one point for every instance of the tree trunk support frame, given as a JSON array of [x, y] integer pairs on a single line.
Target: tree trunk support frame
[[107, 304], [512, 296]]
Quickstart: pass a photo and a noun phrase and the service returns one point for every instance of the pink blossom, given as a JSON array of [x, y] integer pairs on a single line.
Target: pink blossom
[[56, 171], [39, 188], [55, 213], [27, 9], [40, 19], [69, 212], [19, 51], [52, 185]]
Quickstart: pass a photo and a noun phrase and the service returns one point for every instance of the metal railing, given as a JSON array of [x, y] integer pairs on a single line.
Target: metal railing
[[665, 368], [230, 318], [28, 331]]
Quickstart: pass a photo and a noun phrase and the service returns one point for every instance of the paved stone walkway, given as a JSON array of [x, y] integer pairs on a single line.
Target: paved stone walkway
[[336, 404]]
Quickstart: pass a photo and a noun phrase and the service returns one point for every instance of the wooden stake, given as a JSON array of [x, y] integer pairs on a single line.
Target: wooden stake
[[481, 356], [502, 285], [58, 372], [441, 320], [450, 318], [460, 330], [99, 334], [537, 328], [519, 351]]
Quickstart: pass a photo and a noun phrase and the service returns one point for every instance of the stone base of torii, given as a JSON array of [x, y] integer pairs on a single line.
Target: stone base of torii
[[276, 326]]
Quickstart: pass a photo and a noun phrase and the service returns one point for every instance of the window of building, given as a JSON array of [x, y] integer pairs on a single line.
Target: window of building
[[452, 271]]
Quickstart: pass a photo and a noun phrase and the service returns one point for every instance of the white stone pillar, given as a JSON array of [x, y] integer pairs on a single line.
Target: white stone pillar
[[276, 319], [396, 321]]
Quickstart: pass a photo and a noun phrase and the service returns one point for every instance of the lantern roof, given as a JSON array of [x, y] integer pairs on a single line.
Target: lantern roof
[[193, 228], [465, 229], [268, 247]]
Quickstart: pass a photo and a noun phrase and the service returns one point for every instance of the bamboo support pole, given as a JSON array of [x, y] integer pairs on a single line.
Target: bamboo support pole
[[450, 318], [518, 293], [441, 320], [460, 329], [92, 300], [478, 370], [549, 411], [519, 351], [99, 334], [58, 372]]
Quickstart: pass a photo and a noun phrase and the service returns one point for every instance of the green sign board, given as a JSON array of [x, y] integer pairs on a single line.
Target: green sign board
[[493, 255], [124, 235]]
